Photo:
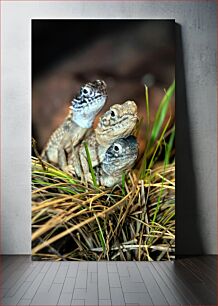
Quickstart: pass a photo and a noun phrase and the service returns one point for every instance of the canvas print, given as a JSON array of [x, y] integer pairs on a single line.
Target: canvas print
[[103, 140]]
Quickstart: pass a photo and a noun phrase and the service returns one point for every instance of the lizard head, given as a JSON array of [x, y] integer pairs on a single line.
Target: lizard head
[[88, 103], [120, 156], [119, 121]]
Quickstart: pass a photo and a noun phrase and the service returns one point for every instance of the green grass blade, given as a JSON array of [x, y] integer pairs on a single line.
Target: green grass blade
[[123, 184], [147, 109], [161, 114], [158, 122], [159, 199], [158, 144], [158, 204], [169, 147], [101, 234], [90, 165], [144, 161], [166, 162], [50, 171]]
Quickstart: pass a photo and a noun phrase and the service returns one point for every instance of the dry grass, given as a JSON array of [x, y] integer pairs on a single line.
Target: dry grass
[[75, 222]]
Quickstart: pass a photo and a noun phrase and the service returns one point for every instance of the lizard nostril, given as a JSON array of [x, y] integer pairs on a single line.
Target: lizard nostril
[[104, 121]]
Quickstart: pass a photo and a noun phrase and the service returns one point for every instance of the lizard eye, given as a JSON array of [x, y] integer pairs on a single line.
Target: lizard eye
[[86, 91], [113, 114], [117, 148]]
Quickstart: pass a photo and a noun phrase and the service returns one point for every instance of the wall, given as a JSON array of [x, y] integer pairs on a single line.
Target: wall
[[196, 113]]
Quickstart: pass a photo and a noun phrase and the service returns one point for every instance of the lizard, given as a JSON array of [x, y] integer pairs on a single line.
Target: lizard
[[119, 121], [85, 106], [119, 158]]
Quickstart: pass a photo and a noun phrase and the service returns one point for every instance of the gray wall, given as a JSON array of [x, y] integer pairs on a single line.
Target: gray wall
[[198, 25]]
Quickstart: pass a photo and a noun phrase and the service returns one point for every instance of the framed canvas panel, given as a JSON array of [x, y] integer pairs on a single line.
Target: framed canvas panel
[[103, 140]]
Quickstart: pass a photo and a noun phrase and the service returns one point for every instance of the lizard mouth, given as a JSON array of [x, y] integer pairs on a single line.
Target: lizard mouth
[[115, 165], [129, 156], [126, 123], [100, 96], [81, 104]]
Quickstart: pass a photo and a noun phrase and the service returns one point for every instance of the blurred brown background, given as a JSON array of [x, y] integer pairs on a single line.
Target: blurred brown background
[[126, 54]]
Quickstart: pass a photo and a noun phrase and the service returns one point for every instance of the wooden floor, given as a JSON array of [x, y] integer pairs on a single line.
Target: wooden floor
[[187, 281]]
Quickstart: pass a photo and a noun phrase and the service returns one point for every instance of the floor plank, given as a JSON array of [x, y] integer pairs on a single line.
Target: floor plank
[[155, 292], [103, 282], [49, 277], [48, 298], [104, 302], [168, 292], [13, 273], [61, 273], [171, 280], [65, 298], [179, 283], [204, 271], [14, 300], [69, 284], [195, 284], [24, 302], [187, 281], [117, 297], [16, 279]]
